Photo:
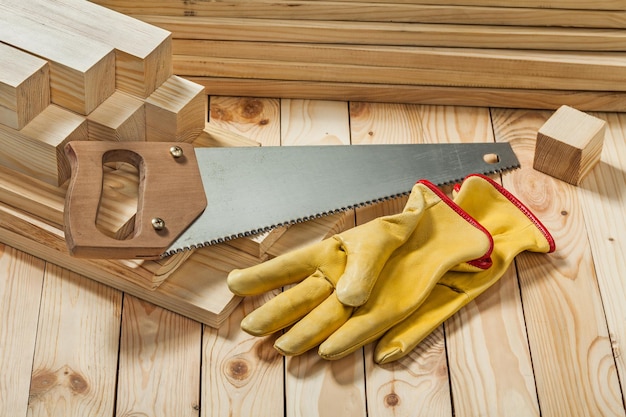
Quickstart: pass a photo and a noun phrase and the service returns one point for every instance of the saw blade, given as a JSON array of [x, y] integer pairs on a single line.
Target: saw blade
[[251, 190]]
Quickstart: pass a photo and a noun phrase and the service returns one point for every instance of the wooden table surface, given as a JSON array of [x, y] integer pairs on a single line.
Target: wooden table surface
[[544, 341]]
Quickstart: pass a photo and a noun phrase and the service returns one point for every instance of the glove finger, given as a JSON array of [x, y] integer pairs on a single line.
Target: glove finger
[[370, 245], [441, 304], [288, 306], [314, 328], [283, 270]]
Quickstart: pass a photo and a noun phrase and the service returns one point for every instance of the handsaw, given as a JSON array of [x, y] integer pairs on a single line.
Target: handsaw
[[189, 198]]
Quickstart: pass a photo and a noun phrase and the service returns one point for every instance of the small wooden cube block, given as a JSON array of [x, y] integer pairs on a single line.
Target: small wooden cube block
[[569, 144]]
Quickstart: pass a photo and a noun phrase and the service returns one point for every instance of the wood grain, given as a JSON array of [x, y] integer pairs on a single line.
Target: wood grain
[[603, 202], [249, 377], [255, 118], [142, 52], [560, 288], [158, 362], [299, 126], [407, 34], [21, 279], [24, 87], [82, 70], [313, 386], [37, 149], [77, 378], [121, 117], [460, 71], [176, 111], [399, 387], [495, 14], [243, 375], [492, 326], [417, 384], [415, 94]]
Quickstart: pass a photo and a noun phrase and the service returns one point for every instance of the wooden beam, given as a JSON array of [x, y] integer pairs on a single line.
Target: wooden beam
[[82, 71], [405, 34], [120, 118], [176, 111], [473, 67], [416, 94], [548, 4], [500, 14], [20, 295], [483, 75], [37, 149], [24, 87], [143, 52]]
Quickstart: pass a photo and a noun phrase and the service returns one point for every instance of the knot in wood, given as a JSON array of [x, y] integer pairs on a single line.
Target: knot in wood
[[238, 369], [392, 400], [251, 108]]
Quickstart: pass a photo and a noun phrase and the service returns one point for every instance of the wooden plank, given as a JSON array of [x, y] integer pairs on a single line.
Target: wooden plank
[[573, 364], [78, 377], [82, 70], [477, 67], [405, 34], [548, 4], [20, 294], [603, 204], [314, 386], [311, 122], [416, 94], [158, 362], [24, 87], [416, 382], [250, 377], [37, 149], [491, 329], [489, 74], [501, 14], [121, 117], [142, 52], [176, 111]]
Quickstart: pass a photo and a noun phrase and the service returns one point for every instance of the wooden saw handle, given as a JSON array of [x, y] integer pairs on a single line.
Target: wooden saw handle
[[170, 190]]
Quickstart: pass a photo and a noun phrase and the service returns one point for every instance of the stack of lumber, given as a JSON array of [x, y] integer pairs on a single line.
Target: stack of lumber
[[535, 53], [73, 70]]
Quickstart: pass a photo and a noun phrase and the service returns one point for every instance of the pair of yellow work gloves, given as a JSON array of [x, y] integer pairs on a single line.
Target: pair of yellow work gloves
[[396, 278]]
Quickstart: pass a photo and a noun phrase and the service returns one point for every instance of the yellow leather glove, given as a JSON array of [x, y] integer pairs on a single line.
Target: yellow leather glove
[[443, 237], [344, 266], [514, 229]]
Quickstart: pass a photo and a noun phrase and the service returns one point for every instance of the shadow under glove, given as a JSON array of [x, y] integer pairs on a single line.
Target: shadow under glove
[[514, 229]]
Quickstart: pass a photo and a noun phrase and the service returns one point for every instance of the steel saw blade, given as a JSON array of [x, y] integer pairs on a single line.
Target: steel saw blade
[[251, 190]]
